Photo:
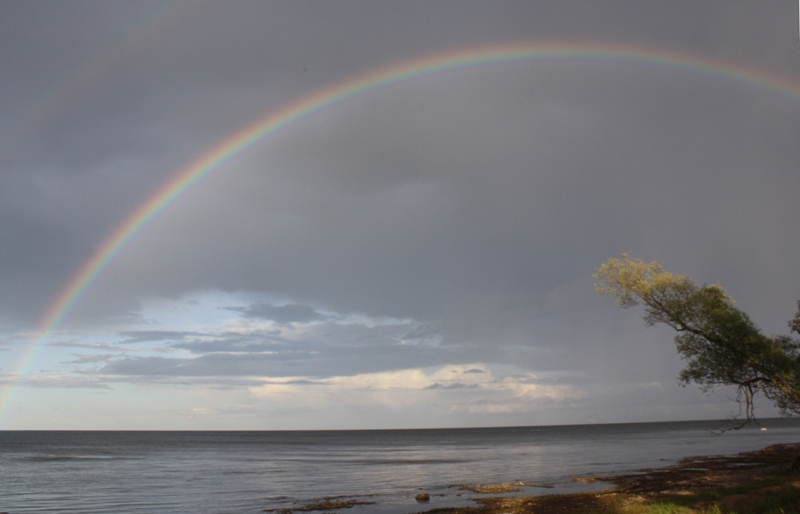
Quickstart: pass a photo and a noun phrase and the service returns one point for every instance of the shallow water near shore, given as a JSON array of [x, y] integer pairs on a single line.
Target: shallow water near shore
[[248, 472]]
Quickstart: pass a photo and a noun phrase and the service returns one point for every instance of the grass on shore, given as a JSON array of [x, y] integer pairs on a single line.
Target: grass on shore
[[775, 494]]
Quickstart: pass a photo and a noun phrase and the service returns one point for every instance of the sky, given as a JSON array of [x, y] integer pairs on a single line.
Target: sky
[[414, 255]]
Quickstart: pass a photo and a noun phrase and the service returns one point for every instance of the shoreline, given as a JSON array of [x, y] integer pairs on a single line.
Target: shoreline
[[740, 482]]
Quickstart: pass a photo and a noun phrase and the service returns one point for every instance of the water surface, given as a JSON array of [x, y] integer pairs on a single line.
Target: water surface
[[247, 472]]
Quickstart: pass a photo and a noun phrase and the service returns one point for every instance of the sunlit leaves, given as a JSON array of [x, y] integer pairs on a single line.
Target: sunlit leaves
[[719, 342]]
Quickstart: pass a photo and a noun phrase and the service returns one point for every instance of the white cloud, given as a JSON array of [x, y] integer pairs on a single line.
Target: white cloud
[[470, 388]]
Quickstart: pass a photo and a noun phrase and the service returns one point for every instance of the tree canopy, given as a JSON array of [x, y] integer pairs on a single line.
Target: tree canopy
[[719, 342]]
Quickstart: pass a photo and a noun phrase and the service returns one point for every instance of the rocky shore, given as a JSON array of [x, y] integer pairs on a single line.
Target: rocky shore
[[764, 481]]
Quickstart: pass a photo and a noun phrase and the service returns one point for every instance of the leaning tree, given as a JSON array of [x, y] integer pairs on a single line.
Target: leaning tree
[[719, 342]]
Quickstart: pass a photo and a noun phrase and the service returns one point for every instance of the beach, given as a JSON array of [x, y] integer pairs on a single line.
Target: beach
[[766, 480], [747, 482]]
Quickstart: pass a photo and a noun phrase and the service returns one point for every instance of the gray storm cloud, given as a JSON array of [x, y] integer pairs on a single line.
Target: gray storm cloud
[[451, 219]]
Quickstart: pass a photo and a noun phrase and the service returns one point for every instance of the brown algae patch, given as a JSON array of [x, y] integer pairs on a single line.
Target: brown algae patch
[[324, 505], [508, 487]]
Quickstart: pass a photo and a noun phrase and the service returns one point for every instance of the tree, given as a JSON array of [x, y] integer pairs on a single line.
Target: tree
[[720, 344]]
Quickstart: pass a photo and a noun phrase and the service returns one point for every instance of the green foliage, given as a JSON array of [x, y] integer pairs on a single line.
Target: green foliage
[[795, 323], [719, 342]]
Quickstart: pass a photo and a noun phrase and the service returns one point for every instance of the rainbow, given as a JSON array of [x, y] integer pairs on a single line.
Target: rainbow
[[229, 148]]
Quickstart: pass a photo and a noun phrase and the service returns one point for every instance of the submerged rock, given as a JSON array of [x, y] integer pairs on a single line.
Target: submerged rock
[[423, 497]]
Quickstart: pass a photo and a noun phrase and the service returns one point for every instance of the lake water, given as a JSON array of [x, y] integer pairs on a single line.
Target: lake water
[[248, 472]]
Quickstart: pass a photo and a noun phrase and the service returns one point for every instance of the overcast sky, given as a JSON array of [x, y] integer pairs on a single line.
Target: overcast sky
[[417, 256]]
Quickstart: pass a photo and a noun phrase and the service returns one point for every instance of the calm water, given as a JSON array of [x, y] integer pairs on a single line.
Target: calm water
[[247, 472]]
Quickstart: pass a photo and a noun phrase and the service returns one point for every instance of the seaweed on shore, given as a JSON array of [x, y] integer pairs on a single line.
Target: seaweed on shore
[[324, 505], [760, 482], [508, 487]]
